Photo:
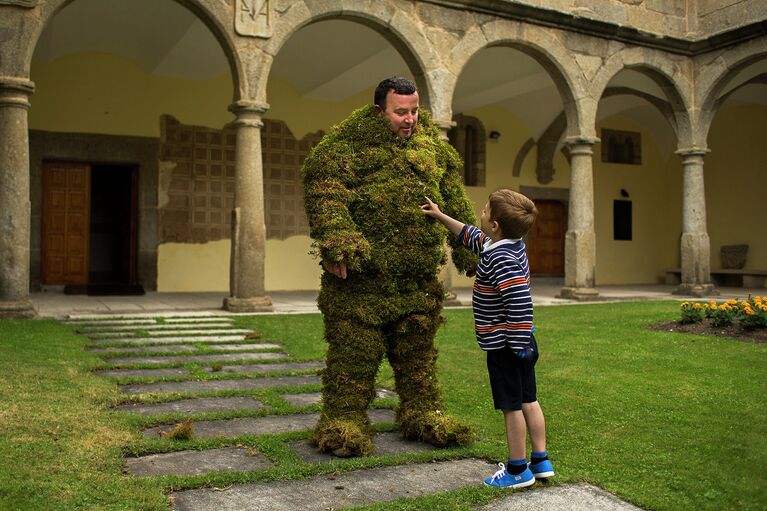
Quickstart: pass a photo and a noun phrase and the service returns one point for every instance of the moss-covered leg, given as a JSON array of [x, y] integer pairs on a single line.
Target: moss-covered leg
[[413, 357], [354, 354]]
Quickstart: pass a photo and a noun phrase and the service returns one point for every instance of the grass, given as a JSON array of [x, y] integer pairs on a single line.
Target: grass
[[665, 421]]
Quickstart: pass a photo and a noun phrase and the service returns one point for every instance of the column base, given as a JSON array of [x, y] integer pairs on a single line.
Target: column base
[[17, 309], [255, 304], [696, 290], [581, 294], [451, 299]]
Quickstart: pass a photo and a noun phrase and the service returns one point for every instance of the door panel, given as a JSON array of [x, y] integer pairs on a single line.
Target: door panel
[[546, 240], [65, 226]]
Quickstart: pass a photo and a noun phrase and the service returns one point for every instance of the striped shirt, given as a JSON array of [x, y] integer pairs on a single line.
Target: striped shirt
[[503, 305]]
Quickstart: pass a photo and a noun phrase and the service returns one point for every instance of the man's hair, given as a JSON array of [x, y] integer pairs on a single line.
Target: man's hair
[[514, 213], [396, 83]]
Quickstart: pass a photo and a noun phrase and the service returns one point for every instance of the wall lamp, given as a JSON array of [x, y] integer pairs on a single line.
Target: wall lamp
[[494, 135]]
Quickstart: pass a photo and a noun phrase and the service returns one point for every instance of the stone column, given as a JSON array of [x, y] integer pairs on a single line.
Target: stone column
[[14, 198], [451, 298], [695, 244], [580, 239], [246, 274]]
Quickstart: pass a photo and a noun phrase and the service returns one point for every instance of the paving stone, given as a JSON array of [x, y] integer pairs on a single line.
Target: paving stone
[[226, 459], [120, 328], [266, 368], [215, 385], [221, 357], [339, 491], [198, 320], [570, 497], [245, 347], [140, 349], [220, 331], [112, 322], [386, 443], [195, 405], [149, 373], [269, 425], [313, 398], [170, 340]]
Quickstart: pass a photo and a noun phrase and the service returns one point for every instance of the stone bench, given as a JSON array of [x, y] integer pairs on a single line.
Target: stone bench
[[725, 277]]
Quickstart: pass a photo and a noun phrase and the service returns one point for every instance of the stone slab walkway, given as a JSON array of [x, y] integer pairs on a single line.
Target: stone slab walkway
[[322, 492], [338, 491]]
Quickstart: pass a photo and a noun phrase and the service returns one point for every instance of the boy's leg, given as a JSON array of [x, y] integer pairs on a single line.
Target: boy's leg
[[516, 433], [536, 425]]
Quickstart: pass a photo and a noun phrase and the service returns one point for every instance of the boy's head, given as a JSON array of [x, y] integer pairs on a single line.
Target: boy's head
[[513, 213]]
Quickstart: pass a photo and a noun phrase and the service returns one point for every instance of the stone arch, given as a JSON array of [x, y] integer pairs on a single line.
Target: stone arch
[[410, 43], [532, 40], [211, 13], [669, 74], [715, 76]]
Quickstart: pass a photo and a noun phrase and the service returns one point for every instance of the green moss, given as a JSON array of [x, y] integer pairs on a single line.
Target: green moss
[[363, 190]]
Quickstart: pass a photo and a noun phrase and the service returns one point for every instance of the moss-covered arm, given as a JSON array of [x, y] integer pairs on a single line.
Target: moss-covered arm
[[327, 177], [456, 204]]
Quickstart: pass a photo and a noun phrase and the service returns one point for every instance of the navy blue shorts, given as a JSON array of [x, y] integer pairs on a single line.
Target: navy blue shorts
[[512, 380]]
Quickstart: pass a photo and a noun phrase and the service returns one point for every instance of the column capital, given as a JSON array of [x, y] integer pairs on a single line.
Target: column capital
[[248, 112], [15, 91], [692, 151], [445, 124], [579, 140]]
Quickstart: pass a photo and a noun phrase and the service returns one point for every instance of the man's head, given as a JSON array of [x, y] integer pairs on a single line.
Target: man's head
[[513, 213], [396, 100]]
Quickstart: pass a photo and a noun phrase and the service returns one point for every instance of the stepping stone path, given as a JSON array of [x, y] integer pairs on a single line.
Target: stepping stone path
[[186, 342]]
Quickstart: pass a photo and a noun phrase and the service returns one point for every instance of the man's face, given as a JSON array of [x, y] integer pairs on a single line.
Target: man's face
[[402, 113]]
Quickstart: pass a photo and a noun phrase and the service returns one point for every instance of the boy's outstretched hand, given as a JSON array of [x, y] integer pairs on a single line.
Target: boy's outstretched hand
[[430, 208]]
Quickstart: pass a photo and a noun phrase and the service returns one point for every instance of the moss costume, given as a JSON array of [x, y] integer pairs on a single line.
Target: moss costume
[[363, 187]]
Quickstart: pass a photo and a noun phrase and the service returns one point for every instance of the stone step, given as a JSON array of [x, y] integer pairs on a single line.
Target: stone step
[[216, 385], [177, 314], [221, 357], [339, 491], [225, 459], [570, 497], [112, 322], [266, 368], [119, 328], [314, 398], [185, 347], [268, 425], [170, 340], [148, 373], [194, 405], [221, 331], [211, 319]]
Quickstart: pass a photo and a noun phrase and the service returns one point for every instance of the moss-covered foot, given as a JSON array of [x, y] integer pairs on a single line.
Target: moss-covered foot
[[342, 438], [438, 429]]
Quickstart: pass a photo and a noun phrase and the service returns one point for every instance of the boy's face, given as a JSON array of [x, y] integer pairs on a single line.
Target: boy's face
[[487, 225]]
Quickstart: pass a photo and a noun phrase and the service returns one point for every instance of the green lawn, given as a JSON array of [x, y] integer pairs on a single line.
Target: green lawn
[[665, 421]]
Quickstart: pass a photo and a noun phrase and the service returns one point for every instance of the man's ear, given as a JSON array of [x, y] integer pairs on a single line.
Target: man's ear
[[378, 109]]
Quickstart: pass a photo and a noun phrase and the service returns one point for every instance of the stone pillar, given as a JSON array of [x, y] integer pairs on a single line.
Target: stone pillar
[[580, 239], [246, 273], [451, 298], [695, 244], [15, 207]]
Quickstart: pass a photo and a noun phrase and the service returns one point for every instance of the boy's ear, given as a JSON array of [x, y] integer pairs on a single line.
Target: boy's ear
[[495, 227]]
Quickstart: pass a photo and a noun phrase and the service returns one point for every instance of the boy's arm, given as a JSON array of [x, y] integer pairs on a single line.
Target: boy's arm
[[432, 210]]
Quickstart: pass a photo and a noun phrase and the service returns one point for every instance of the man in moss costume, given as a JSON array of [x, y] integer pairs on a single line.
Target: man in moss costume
[[364, 184]]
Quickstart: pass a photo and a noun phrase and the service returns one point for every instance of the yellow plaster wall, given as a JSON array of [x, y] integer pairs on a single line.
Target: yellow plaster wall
[[187, 267], [655, 191], [100, 93], [736, 182]]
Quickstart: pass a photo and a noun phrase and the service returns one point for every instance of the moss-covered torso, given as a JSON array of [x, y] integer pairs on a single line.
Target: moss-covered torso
[[363, 190]]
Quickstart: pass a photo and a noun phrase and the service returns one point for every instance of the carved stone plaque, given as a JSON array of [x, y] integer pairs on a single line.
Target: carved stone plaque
[[19, 3], [253, 18]]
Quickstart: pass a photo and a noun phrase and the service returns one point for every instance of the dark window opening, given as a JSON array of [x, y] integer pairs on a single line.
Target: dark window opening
[[622, 220]]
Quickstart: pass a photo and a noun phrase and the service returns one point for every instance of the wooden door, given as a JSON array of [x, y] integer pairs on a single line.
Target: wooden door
[[66, 223], [546, 240]]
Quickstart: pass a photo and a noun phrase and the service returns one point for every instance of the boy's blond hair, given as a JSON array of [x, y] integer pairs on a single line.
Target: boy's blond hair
[[514, 212]]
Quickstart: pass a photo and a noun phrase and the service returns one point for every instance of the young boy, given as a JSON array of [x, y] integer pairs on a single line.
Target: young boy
[[503, 321]]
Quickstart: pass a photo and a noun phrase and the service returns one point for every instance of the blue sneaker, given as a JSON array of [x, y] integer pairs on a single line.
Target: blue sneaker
[[542, 469], [502, 479]]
